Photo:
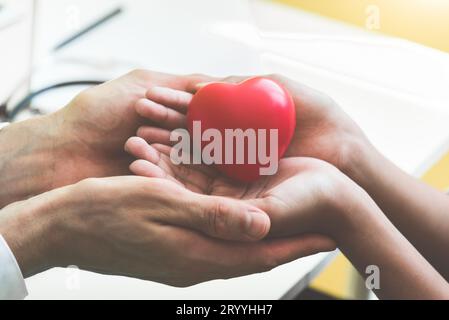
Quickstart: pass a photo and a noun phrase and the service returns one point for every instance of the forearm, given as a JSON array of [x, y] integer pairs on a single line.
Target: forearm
[[368, 238], [28, 154], [420, 212]]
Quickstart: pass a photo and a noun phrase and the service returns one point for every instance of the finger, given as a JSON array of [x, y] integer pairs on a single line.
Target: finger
[[175, 99], [162, 148], [222, 218], [147, 169], [268, 254], [151, 159], [204, 177], [154, 163], [191, 176], [140, 149], [160, 140], [160, 114], [284, 250], [155, 135], [208, 170]]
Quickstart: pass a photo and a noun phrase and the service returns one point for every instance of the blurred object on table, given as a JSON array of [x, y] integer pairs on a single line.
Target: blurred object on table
[[16, 33]]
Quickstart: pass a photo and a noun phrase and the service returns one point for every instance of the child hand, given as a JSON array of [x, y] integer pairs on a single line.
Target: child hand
[[299, 198]]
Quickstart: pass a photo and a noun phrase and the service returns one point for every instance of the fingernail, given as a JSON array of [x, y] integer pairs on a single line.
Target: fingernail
[[257, 224]]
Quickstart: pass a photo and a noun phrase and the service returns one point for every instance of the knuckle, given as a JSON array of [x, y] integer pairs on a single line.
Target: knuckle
[[217, 218]]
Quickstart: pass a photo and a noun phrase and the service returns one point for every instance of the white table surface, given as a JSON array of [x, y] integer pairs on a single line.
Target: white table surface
[[405, 116]]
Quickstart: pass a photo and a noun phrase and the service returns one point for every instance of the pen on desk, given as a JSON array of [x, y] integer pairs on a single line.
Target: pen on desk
[[89, 28]]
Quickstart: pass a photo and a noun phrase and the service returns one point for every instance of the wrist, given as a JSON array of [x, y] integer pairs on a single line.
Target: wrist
[[28, 158], [354, 213], [359, 154], [30, 229]]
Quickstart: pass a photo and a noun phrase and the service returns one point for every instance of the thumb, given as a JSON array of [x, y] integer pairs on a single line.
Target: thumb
[[225, 218]]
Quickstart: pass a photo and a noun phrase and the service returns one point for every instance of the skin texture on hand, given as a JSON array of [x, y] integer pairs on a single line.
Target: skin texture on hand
[[84, 139], [295, 188], [306, 195], [268, 192], [84, 225], [77, 142], [309, 195], [142, 227], [369, 239], [325, 132], [28, 154]]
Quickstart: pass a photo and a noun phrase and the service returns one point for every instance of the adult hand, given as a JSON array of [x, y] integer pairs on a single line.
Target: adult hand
[[300, 198], [165, 106], [82, 140], [136, 227], [99, 120]]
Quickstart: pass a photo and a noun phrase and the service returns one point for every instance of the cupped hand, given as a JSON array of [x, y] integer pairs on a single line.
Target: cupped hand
[[94, 125], [151, 229], [324, 131], [300, 198]]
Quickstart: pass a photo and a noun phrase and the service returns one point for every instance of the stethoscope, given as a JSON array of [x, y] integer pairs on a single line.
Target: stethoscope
[[9, 113]]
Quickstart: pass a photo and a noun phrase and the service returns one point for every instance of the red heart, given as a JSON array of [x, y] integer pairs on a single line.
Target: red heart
[[257, 103]]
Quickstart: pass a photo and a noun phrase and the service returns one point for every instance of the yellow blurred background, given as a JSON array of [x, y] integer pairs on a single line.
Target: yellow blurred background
[[422, 21]]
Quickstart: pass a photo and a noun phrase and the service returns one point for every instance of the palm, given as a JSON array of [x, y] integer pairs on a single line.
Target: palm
[[206, 179], [283, 195]]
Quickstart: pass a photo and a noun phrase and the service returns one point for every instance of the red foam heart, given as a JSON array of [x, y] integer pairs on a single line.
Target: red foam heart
[[257, 103]]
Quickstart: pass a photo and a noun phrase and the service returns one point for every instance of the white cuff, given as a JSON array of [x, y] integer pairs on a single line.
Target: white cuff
[[12, 284], [3, 124]]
